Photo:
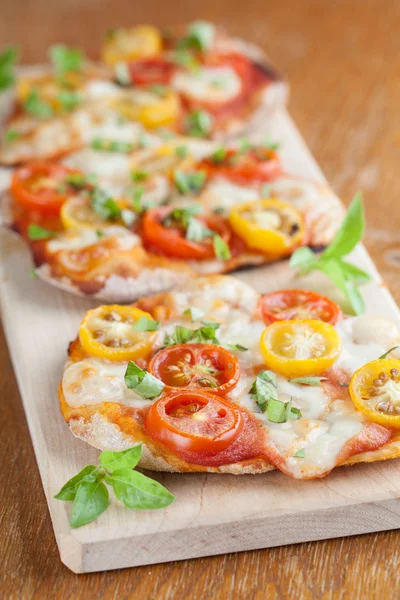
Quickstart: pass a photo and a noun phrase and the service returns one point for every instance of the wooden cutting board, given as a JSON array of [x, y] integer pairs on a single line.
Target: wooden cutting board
[[212, 514]]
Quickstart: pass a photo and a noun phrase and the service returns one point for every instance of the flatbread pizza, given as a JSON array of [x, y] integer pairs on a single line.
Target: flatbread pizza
[[215, 377]]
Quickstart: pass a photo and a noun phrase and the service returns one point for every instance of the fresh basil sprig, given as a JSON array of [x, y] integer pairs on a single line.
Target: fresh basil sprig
[[8, 59], [89, 495], [344, 275]]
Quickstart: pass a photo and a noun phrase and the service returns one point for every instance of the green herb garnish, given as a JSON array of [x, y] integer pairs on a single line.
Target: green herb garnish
[[36, 232], [103, 145], [218, 156], [195, 313], [137, 176], [200, 36], [299, 453], [36, 107], [145, 324], [65, 59], [221, 248], [313, 381], [69, 100], [104, 205], [145, 385], [185, 58], [89, 495], [199, 123], [237, 347], [189, 182], [388, 352], [11, 135], [8, 59], [344, 275], [182, 151], [265, 392], [183, 335]]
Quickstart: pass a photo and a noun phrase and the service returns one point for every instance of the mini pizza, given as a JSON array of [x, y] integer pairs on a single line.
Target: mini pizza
[[116, 221], [215, 377], [195, 81]]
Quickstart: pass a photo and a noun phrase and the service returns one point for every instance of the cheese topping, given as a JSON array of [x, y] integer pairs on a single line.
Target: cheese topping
[[222, 194], [87, 236], [209, 84]]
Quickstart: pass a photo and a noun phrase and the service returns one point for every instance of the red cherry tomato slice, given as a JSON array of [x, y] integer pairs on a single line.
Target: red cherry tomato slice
[[194, 421], [36, 187], [256, 164], [299, 304], [170, 240], [196, 366], [150, 71]]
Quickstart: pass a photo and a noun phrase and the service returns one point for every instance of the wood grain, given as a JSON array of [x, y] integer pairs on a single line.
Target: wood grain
[[342, 58]]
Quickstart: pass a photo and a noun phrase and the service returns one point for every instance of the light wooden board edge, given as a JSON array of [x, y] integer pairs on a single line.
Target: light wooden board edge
[[265, 510]]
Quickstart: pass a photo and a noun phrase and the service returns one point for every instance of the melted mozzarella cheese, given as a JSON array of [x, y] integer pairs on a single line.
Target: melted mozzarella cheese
[[223, 194], [209, 84], [354, 354], [112, 169], [99, 89], [87, 236], [92, 381]]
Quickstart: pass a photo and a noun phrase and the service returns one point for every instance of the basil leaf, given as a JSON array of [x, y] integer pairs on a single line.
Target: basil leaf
[[299, 453], [218, 156], [127, 459], [69, 100], [183, 335], [199, 123], [281, 412], [146, 324], [104, 145], [302, 257], [36, 107], [11, 135], [350, 232], [388, 352], [221, 248], [145, 385], [344, 275], [276, 411], [186, 59], [182, 151], [90, 501], [195, 313], [137, 491], [189, 182], [139, 175], [65, 59], [36, 232], [69, 489], [237, 347], [264, 389], [196, 231], [313, 381], [104, 205], [8, 59], [201, 35]]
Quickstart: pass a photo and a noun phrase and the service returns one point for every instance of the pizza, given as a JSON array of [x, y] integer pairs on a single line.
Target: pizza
[[215, 377], [193, 80], [118, 224]]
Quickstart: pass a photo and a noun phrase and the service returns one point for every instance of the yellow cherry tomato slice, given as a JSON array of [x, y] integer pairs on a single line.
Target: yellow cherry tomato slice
[[164, 160], [271, 226], [76, 213], [131, 44], [300, 347], [375, 391], [149, 108], [108, 332]]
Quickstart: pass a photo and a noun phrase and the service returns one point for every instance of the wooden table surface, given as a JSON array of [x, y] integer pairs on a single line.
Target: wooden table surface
[[342, 58]]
